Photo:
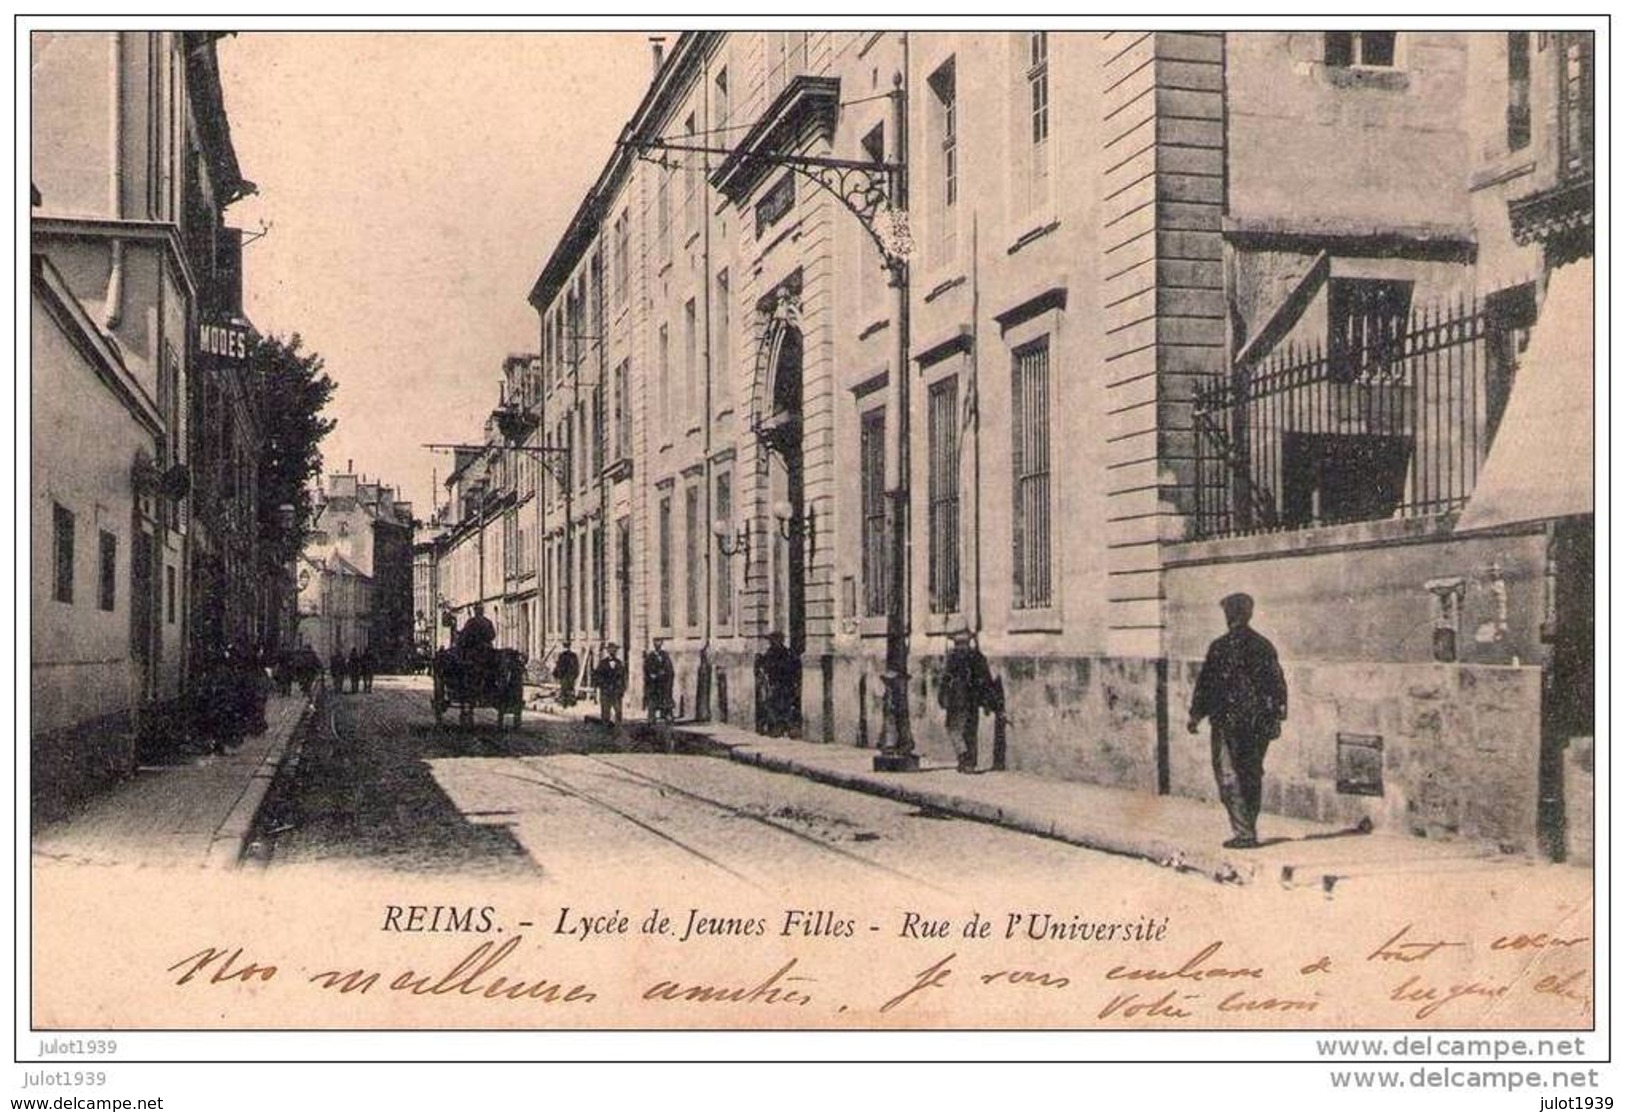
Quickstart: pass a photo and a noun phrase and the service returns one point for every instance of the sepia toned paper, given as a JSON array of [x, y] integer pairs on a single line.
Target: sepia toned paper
[[684, 885]]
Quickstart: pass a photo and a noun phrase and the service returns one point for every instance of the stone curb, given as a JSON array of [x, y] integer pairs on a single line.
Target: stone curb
[[231, 837], [1154, 850]]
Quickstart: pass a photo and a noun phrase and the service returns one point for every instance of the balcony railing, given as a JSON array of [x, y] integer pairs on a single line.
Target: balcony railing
[[1305, 438]]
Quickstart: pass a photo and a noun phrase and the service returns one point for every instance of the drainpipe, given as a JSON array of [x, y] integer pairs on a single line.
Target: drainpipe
[[702, 696], [113, 311]]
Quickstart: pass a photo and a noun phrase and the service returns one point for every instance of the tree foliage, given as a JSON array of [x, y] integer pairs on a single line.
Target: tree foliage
[[294, 393]]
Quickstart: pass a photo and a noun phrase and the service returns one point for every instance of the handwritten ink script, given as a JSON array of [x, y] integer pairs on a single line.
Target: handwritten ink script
[[826, 965]]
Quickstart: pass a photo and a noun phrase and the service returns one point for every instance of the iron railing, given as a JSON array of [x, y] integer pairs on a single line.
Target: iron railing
[[1304, 437]]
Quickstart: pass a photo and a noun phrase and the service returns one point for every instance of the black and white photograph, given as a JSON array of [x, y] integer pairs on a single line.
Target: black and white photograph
[[901, 533]]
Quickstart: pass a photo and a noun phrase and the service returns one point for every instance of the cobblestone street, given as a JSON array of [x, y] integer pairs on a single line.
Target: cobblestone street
[[379, 784]]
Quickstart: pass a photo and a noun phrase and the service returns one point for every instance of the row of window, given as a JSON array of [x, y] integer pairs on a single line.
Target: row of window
[[947, 415], [64, 564]]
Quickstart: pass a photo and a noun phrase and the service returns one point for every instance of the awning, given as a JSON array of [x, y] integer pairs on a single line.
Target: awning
[[1540, 464]]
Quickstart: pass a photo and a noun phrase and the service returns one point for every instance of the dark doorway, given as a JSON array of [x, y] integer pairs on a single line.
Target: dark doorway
[[1569, 683]]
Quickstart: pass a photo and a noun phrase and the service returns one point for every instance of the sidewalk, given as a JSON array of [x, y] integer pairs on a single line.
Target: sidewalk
[[198, 811], [1171, 831]]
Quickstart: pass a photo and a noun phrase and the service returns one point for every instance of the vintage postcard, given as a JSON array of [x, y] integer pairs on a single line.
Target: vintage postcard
[[931, 529]]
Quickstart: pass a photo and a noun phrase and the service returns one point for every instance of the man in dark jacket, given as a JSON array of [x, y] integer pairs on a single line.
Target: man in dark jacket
[[659, 677], [1242, 691], [778, 675], [609, 676], [567, 669], [967, 689], [352, 668]]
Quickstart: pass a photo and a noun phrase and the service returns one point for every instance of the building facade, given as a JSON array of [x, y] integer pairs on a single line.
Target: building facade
[[1185, 313], [356, 577], [132, 265]]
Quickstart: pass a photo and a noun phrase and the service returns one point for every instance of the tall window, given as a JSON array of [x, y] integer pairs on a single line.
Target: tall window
[[621, 414], [786, 57], [1367, 319], [622, 260], [663, 384], [691, 179], [720, 106], [1029, 459], [725, 514], [1360, 48], [584, 606], [663, 555], [721, 349], [598, 583], [691, 364], [1038, 122], [873, 270], [1517, 90], [942, 494], [598, 429], [62, 552], [169, 593], [872, 505], [945, 137], [693, 530], [663, 214], [106, 586]]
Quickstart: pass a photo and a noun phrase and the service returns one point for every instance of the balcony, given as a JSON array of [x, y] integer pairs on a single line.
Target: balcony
[[1397, 426]]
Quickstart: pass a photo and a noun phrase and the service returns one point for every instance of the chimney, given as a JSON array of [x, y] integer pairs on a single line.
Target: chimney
[[657, 46], [349, 466]]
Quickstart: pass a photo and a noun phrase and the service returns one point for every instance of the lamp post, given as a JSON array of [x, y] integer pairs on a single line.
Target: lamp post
[[876, 192]]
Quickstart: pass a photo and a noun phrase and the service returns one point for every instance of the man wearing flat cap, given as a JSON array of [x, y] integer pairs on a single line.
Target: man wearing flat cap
[[967, 688], [1242, 692]]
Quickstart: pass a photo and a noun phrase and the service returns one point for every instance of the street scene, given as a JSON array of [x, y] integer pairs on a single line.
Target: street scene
[[945, 471]]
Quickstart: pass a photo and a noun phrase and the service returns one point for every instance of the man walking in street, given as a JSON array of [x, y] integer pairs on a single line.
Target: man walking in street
[[567, 669], [354, 668], [966, 690], [369, 665], [610, 679], [335, 668], [1242, 691]]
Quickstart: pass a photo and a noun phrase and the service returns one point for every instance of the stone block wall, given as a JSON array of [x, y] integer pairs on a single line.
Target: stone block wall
[[1461, 747]]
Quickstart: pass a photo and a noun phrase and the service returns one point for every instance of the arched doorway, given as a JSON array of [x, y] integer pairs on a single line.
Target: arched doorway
[[778, 421], [781, 435]]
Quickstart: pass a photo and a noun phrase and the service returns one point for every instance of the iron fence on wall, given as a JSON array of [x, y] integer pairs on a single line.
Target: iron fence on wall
[[1307, 436]]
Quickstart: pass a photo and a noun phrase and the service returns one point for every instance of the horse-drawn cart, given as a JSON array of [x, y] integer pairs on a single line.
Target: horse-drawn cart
[[493, 679]]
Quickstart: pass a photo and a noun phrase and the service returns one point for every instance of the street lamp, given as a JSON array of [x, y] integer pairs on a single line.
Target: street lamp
[[732, 543], [792, 525]]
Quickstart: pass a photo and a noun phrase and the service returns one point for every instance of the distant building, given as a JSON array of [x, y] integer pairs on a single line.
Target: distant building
[[336, 601], [136, 320], [361, 542]]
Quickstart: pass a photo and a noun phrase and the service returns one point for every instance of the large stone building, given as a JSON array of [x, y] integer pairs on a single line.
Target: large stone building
[[136, 300], [1185, 313]]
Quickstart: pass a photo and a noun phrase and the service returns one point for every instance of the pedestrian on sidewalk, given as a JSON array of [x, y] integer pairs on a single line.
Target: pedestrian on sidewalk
[[566, 670], [967, 689], [307, 669], [1242, 691], [778, 678], [659, 677], [610, 679], [336, 669]]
